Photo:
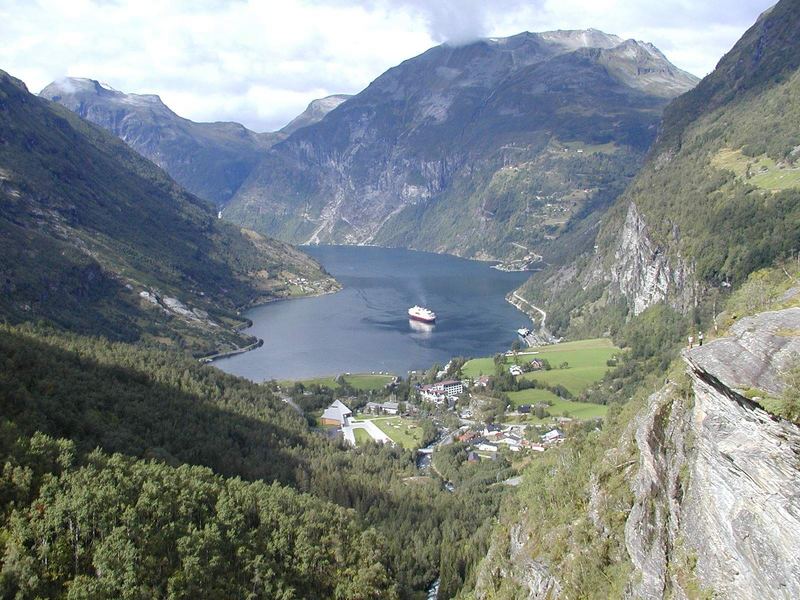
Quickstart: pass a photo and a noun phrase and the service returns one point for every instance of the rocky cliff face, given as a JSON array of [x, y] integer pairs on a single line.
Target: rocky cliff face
[[485, 150], [644, 272], [715, 482], [718, 491]]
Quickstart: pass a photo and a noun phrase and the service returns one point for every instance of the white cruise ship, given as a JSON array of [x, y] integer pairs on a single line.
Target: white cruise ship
[[419, 313]]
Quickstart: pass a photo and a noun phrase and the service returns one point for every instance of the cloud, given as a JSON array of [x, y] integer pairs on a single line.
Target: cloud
[[260, 63], [461, 21]]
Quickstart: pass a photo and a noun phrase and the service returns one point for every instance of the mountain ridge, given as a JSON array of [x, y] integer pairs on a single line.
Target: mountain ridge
[[97, 238], [369, 171], [210, 159]]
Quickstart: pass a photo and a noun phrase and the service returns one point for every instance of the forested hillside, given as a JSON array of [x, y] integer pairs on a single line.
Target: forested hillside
[[718, 198], [222, 441], [97, 239]]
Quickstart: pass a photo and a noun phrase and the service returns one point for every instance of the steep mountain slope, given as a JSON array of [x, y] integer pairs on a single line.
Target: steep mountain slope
[[691, 490], [315, 112], [99, 240], [210, 160], [719, 196], [490, 149]]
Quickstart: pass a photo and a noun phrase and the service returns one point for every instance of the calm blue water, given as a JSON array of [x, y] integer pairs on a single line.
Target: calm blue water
[[365, 327]]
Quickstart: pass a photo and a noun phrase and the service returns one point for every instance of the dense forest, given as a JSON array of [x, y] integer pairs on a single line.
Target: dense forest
[[100, 427]]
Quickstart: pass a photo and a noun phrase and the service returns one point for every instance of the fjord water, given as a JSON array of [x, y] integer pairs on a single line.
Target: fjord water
[[365, 327]]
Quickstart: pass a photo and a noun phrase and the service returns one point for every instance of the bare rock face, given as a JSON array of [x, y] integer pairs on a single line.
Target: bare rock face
[[644, 273], [718, 490], [652, 528], [756, 354], [447, 151], [315, 112]]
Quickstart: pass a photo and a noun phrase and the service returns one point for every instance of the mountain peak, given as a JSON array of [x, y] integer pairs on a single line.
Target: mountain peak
[[315, 111], [573, 39], [83, 87]]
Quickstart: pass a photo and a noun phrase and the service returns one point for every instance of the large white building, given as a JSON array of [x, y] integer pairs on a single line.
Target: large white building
[[441, 390]]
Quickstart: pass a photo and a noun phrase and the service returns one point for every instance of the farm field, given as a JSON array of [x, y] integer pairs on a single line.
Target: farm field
[[559, 407], [404, 432], [586, 358]]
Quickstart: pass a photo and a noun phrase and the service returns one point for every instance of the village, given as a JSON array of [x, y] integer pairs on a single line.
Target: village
[[505, 408]]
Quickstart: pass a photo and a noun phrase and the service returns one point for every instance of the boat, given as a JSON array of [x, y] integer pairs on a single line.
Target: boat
[[422, 314]]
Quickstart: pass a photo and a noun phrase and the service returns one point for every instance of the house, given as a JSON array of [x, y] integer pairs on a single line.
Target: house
[[336, 414], [552, 437], [524, 409], [486, 448], [389, 408], [537, 364], [492, 428], [481, 381], [515, 370], [467, 436], [473, 457]]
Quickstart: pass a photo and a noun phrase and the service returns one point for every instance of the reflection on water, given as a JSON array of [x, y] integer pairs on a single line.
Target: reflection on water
[[424, 329]]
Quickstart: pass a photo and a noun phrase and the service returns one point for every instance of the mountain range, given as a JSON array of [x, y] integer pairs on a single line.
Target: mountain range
[[491, 150], [653, 206], [488, 150], [211, 160]]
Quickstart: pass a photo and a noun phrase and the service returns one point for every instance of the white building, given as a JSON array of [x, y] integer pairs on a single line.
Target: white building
[[390, 408]]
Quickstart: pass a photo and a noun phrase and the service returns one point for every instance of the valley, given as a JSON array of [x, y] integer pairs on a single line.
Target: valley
[[212, 386]]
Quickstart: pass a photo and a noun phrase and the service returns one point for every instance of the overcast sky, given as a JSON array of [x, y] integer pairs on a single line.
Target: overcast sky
[[261, 62]]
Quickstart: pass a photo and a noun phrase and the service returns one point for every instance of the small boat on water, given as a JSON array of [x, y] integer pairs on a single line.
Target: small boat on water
[[422, 314]]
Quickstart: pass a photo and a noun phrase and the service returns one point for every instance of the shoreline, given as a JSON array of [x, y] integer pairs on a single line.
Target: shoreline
[[247, 323]]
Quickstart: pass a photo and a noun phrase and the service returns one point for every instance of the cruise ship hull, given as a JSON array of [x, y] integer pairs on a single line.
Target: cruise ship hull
[[422, 319]]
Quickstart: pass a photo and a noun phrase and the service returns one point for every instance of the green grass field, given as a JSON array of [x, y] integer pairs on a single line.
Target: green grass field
[[362, 437], [764, 173], [587, 365], [404, 432], [586, 358], [363, 382], [560, 407]]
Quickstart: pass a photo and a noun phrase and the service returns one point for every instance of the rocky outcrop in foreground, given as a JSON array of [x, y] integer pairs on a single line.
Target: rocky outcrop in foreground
[[718, 491]]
